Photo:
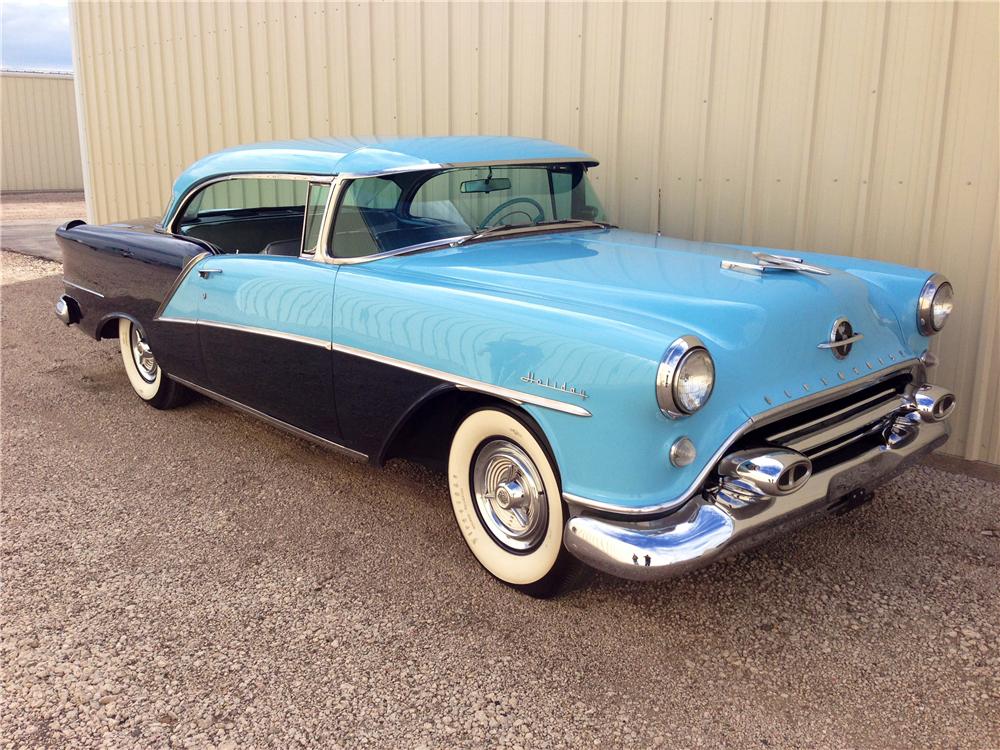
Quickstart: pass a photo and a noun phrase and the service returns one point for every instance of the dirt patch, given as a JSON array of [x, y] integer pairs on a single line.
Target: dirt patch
[[59, 206]]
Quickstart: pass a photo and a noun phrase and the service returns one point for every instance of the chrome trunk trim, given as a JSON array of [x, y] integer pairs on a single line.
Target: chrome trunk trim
[[82, 288]]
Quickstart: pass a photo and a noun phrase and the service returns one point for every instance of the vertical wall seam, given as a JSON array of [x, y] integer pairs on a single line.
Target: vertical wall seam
[[700, 218], [747, 225], [938, 138], [807, 149], [871, 138]]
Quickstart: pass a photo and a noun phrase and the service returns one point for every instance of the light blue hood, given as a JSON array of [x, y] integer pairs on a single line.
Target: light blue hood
[[763, 329]]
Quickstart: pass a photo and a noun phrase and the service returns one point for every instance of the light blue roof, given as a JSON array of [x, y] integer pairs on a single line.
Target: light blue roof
[[330, 156]]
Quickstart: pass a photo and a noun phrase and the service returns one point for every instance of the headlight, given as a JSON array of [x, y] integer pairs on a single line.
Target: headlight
[[685, 378], [935, 305]]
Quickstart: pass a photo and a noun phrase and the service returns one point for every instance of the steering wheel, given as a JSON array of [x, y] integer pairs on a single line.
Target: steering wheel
[[507, 204]]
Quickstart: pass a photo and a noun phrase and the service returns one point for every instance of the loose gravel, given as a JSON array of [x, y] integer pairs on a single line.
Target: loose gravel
[[195, 578]]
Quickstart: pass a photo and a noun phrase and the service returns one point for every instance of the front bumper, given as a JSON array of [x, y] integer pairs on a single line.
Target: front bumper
[[702, 531]]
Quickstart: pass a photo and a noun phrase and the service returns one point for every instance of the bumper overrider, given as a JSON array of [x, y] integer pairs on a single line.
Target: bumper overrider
[[758, 493]]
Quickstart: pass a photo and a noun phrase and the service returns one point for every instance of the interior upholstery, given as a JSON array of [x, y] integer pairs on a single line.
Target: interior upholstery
[[247, 234], [283, 247]]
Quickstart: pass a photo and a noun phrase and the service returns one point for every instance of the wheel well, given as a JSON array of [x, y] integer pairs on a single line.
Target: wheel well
[[108, 329], [424, 434]]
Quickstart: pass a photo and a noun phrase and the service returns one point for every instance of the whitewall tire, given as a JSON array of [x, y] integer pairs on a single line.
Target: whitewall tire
[[144, 374], [507, 501]]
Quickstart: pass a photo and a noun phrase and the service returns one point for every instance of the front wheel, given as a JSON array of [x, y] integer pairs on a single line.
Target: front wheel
[[507, 502], [144, 374]]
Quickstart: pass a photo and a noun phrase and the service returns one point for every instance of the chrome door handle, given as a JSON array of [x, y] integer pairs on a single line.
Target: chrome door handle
[[206, 272]]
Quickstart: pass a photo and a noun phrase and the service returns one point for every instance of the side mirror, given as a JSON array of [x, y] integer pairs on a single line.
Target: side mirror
[[588, 212], [485, 186]]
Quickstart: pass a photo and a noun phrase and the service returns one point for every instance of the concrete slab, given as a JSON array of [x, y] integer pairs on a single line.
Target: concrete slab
[[31, 237]]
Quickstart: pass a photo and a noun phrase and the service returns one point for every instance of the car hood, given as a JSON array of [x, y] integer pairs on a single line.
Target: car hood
[[765, 326]]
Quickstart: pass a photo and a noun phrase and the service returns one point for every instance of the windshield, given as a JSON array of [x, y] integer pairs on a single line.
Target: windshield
[[380, 214]]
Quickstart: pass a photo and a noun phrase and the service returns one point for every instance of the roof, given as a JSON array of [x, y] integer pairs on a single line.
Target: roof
[[330, 156]]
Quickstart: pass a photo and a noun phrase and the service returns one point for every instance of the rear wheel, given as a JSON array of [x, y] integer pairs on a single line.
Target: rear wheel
[[144, 374], [507, 502]]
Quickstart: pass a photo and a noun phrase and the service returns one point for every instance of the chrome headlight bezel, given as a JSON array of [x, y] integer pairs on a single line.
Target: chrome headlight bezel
[[669, 371], [925, 304]]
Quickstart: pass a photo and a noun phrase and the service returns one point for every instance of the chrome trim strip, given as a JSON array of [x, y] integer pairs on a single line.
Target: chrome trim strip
[[185, 270], [875, 415], [757, 421], [459, 381], [468, 384], [880, 399], [175, 320], [274, 421], [83, 288], [266, 332]]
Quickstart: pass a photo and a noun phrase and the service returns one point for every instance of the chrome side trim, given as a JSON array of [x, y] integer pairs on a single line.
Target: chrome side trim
[[298, 432], [83, 288], [761, 419], [266, 332], [185, 270], [459, 381], [468, 384]]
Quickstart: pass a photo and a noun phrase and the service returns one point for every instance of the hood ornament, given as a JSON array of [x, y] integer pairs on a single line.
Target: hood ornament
[[842, 338], [772, 262]]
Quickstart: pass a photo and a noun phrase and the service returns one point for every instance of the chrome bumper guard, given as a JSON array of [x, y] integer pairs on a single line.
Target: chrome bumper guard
[[710, 526]]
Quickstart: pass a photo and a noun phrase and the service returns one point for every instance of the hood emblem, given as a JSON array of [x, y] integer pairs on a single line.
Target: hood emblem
[[772, 262], [842, 338]]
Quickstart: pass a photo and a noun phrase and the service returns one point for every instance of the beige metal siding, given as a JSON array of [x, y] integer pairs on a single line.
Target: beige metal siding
[[867, 129], [41, 147]]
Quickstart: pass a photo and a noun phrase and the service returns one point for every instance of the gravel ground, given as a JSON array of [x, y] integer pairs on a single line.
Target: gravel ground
[[196, 578]]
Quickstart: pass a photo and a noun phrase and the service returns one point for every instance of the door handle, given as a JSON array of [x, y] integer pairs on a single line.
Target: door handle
[[206, 272]]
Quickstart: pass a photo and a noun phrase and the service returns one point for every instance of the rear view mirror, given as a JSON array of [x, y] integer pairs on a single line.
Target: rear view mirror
[[485, 186]]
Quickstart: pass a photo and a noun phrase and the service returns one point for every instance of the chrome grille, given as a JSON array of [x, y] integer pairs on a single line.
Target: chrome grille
[[838, 430]]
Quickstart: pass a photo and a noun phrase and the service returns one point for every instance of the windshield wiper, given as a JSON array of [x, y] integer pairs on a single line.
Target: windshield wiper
[[487, 231], [585, 222]]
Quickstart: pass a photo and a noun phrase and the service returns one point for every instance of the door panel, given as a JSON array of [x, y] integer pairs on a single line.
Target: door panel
[[264, 324]]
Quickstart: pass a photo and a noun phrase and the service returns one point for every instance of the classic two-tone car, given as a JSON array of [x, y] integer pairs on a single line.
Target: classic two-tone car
[[643, 404]]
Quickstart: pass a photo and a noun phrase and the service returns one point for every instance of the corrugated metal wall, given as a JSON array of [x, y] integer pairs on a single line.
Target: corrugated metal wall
[[858, 128], [41, 144]]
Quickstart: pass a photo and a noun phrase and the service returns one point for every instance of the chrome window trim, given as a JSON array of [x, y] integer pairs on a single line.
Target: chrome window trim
[[341, 181], [759, 420], [297, 431], [459, 381], [82, 288], [925, 304], [169, 221]]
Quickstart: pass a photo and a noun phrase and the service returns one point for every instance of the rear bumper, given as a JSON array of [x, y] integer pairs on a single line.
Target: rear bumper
[[702, 531]]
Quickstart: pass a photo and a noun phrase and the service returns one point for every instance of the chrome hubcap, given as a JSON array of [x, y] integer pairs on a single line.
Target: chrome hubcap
[[142, 355], [510, 495]]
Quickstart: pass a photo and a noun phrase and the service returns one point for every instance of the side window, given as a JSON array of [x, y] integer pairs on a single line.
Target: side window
[[315, 208], [367, 211], [249, 215]]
